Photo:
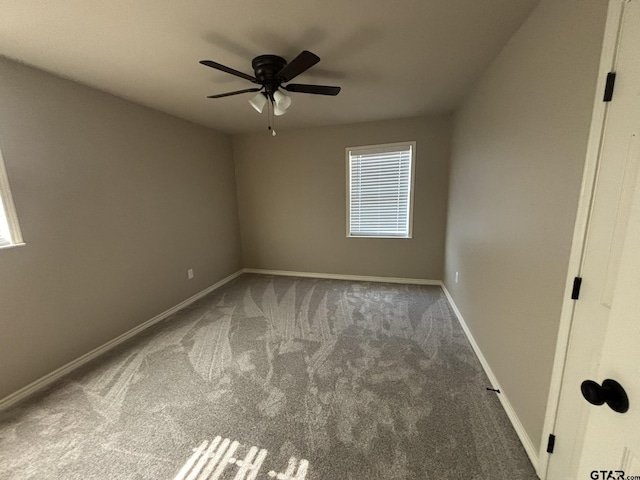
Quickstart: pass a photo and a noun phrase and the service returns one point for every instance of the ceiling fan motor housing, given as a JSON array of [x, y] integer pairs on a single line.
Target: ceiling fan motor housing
[[266, 67]]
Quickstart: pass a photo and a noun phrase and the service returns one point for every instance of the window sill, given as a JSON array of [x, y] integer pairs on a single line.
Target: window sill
[[13, 245], [377, 236]]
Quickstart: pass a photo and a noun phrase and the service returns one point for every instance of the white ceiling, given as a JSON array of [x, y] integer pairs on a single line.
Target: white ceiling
[[393, 59]]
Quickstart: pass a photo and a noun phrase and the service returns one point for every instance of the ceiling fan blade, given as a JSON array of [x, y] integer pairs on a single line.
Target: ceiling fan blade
[[222, 68], [234, 93], [315, 89], [298, 65]]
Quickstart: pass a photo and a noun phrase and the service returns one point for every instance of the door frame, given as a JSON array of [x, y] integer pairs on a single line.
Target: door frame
[[576, 256]]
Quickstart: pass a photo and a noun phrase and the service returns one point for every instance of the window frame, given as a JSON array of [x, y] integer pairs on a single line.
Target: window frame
[[412, 176], [9, 210]]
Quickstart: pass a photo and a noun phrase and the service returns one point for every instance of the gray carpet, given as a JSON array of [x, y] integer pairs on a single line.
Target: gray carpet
[[276, 377]]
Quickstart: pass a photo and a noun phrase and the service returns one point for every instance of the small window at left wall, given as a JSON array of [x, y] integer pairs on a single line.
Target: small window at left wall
[[10, 235]]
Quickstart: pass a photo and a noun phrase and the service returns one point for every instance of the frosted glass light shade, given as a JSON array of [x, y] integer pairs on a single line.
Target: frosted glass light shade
[[258, 102], [282, 102]]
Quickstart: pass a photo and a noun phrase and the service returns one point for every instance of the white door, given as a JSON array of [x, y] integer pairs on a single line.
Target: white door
[[605, 334], [612, 441]]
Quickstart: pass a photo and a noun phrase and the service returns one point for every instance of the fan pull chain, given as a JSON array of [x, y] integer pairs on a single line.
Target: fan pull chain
[[271, 117]]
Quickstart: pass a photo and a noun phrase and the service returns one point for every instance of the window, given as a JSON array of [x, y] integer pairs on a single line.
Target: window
[[9, 229], [380, 190]]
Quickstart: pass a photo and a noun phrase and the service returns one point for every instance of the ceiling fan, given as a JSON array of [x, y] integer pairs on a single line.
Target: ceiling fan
[[270, 72]]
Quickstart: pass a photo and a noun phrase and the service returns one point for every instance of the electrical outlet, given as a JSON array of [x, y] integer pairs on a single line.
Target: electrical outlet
[[456, 277], [190, 273]]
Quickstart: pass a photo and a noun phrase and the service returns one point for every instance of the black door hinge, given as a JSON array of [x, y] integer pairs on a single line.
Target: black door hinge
[[551, 443], [575, 293], [608, 88]]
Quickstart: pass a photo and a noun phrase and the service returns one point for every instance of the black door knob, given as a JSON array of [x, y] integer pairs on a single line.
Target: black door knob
[[611, 393]]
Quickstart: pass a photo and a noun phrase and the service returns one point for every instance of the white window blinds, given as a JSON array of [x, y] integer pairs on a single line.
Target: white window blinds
[[5, 234], [9, 228], [380, 190]]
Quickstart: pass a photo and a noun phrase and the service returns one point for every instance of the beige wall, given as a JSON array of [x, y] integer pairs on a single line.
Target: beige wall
[[518, 152], [116, 202], [292, 195]]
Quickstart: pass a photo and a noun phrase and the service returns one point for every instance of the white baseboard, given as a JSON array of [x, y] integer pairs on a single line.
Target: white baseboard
[[504, 400], [78, 362], [340, 276]]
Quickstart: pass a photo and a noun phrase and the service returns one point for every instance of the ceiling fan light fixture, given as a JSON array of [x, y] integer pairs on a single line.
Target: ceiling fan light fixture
[[281, 102], [258, 102], [278, 112]]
